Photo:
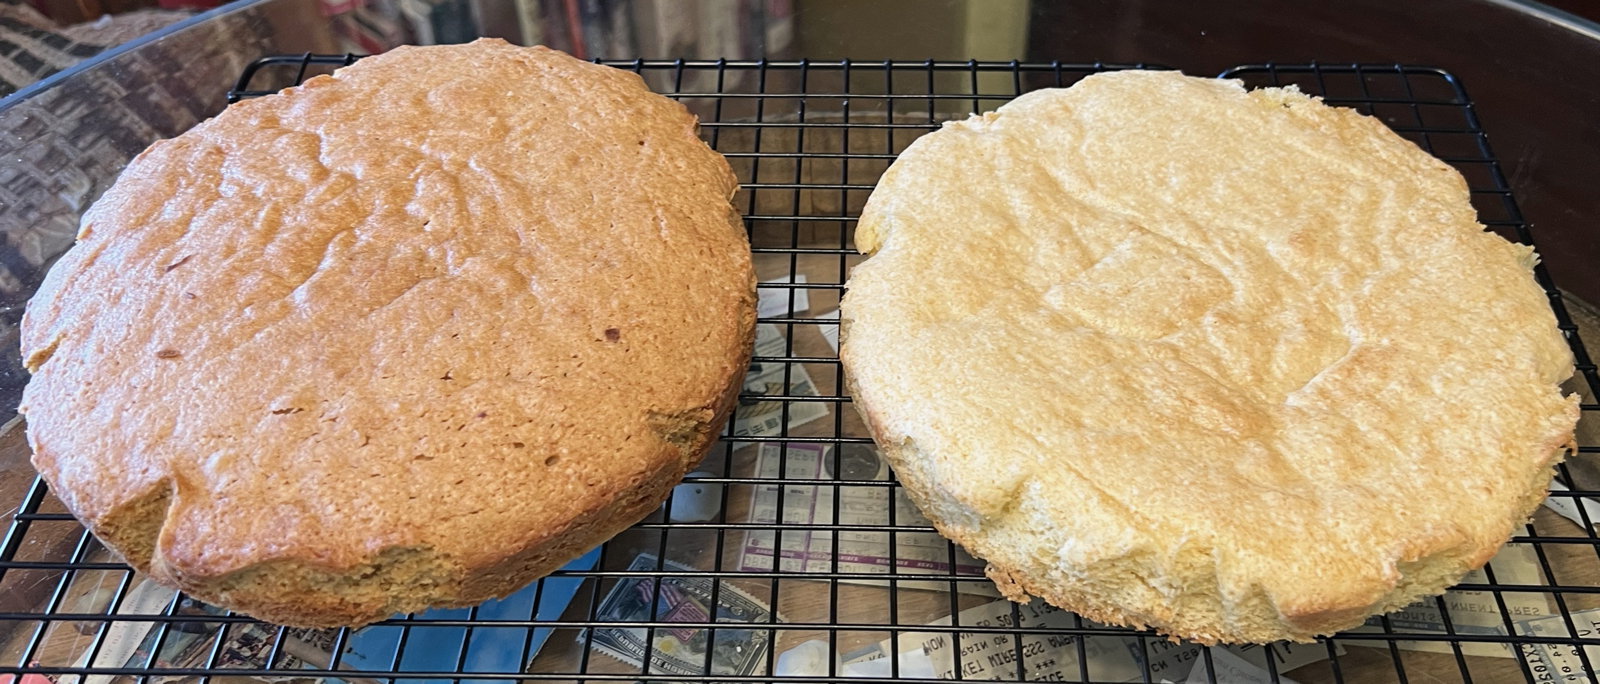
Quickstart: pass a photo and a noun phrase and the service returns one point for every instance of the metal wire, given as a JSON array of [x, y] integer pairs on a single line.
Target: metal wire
[[808, 140]]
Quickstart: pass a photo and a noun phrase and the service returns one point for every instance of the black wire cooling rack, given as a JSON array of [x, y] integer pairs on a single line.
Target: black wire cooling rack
[[789, 555]]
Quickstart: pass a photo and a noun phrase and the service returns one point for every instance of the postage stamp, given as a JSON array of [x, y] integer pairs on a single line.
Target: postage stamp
[[732, 650]]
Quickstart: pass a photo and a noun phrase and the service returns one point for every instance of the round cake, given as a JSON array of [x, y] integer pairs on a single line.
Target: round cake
[[410, 335], [1236, 366]]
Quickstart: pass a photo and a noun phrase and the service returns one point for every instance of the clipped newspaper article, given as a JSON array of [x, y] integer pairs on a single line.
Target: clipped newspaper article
[[689, 651], [1055, 657], [1573, 508], [1182, 659], [188, 644], [1470, 612], [1228, 667], [1549, 662], [812, 551], [248, 645], [757, 417], [989, 655], [774, 300]]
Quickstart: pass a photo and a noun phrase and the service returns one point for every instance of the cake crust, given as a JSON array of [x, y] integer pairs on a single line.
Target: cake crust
[[1235, 366], [410, 335]]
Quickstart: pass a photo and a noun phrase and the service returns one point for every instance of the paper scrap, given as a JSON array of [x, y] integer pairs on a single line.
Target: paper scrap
[[773, 302], [1054, 657], [1178, 659], [695, 501], [1567, 506], [1471, 612], [686, 651], [123, 639], [810, 659], [1561, 662], [989, 655], [758, 417], [808, 550], [914, 663], [1231, 669]]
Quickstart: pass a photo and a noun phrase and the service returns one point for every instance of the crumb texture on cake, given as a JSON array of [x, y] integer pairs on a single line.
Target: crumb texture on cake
[[1237, 366], [408, 335]]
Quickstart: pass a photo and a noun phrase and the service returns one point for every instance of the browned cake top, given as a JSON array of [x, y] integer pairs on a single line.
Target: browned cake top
[[447, 298]]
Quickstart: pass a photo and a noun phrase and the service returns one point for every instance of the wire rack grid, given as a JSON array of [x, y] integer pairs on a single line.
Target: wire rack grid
[[807, 538]]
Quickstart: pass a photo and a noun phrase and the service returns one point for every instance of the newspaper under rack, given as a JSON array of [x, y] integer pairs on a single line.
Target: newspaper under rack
[[740, 648]]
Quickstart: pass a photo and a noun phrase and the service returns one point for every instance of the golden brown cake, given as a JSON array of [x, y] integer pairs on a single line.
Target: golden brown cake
[[1234, 366], [411, 335]]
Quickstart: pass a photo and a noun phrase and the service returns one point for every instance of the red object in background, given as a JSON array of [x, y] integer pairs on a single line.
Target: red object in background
[[68, 12], [335, 7], [26, 679], [575, 29]]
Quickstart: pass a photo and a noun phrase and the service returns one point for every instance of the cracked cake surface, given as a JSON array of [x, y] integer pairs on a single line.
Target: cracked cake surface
[[1236, 366], [410, 335]]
